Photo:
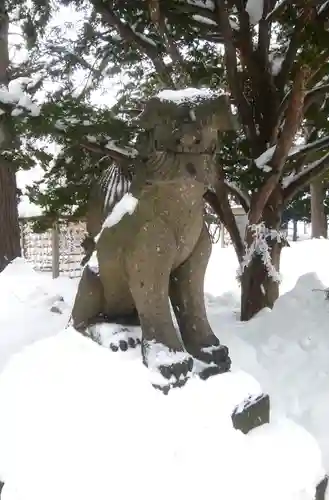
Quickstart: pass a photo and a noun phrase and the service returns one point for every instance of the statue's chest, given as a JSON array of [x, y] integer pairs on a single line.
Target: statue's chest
[[187, 233]]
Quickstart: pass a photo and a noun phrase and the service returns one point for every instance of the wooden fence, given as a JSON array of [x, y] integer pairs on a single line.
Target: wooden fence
[[57, 251]]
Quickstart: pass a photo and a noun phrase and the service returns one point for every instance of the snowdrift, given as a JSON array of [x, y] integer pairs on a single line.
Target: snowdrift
[[79, 421]]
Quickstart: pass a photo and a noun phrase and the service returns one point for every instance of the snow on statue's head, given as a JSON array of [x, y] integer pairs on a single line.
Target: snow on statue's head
[[187, 121]]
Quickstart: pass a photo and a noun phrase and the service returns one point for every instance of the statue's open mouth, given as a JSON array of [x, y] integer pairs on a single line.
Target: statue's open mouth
[[189, 150]]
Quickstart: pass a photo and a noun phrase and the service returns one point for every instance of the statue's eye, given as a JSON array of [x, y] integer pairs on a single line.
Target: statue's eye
[[197, 141], [190, 167]]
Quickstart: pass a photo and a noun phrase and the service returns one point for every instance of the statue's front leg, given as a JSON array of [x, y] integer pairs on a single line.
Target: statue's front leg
[[187, 298], [148, 266], [89, 300]]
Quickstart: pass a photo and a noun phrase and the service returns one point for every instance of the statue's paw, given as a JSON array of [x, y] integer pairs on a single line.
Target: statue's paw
[[124, 344], [212, 360], [169, 368], [115, 337]]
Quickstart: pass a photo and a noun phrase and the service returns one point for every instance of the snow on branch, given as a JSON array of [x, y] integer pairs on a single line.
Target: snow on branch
[[296, 151], [310, 146], [111, 148], [18, 99], [203, 4], [262, 161], [259, 247], [294, 183], [191, 95], [124, 151], [204, 20], [143, 37]]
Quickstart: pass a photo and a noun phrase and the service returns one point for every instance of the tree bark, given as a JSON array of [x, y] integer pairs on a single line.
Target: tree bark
[[10, 247], [318, 217], [258, 289], [295, 230]]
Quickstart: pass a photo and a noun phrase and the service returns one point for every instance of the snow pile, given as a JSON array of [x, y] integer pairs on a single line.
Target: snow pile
[[287, 349], [69, 429], [80, 421], [188, 94], [126, 205], [26, 299]]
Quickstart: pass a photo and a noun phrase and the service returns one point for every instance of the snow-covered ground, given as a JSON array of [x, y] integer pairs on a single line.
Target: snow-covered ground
[[79, 421]]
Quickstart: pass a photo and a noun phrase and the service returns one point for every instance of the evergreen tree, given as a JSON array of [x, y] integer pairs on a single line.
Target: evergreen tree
[[19, 81], [272, 57]]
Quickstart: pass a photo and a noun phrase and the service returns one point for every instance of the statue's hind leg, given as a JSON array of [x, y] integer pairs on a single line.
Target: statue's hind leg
[[187, 298], [89, 300]]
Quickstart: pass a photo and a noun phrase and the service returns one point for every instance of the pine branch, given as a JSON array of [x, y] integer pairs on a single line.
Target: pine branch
[[159, 20], [129, 35], [303, 178]]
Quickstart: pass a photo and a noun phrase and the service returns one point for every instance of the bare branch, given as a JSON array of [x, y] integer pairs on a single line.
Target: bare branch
[[303, 178], [288, 62], [239, 194], [220, 204], [232, 72], [264, 35], [293, 119], [314, 95], [159, 20], [278, 9]]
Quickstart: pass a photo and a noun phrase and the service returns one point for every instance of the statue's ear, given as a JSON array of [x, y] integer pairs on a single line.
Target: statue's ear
[[155, 113], [223, 116], [150, 116]]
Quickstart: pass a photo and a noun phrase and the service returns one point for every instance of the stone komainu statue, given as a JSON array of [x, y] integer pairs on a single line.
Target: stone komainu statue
[[154, 245]]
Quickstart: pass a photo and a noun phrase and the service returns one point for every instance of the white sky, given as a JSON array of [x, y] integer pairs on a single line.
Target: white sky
[[106, 96]]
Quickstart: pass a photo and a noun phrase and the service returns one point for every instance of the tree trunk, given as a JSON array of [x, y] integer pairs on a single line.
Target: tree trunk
[[295, 230], [9, 226], [318, 217], [259, 289]]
